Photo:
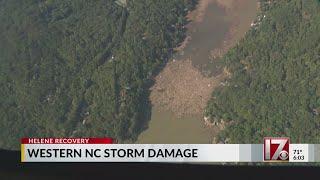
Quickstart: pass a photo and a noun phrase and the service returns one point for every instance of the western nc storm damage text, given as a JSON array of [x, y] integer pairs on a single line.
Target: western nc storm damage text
[[112, 153]]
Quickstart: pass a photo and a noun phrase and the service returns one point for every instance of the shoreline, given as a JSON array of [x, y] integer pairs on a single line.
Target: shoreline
[[181, 90]]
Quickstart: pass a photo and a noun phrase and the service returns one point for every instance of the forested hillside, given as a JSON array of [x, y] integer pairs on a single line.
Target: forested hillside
[[274, 89], [82, 67]]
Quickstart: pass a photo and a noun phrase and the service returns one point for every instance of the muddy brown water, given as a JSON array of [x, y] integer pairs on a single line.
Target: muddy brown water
[[206, 36], [164, 126]]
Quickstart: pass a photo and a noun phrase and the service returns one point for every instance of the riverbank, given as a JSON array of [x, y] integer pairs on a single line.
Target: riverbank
[[184, 86], [181, 87]]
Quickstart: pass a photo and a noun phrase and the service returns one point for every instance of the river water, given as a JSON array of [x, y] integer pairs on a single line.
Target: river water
[[206, 35]]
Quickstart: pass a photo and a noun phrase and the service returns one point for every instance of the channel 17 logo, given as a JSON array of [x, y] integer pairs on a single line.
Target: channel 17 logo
[[276, 149]]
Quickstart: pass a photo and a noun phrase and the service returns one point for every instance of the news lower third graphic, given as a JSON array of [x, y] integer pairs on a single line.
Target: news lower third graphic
[[107, 150]]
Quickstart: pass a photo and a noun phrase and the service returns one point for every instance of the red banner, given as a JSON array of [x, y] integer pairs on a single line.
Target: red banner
[[67, 141]]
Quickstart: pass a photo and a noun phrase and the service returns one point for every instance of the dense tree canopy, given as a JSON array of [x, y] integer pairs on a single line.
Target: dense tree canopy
[[274, 89], [82, 67]]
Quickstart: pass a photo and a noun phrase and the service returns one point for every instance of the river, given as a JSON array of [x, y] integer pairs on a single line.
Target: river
[[212, 32]]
